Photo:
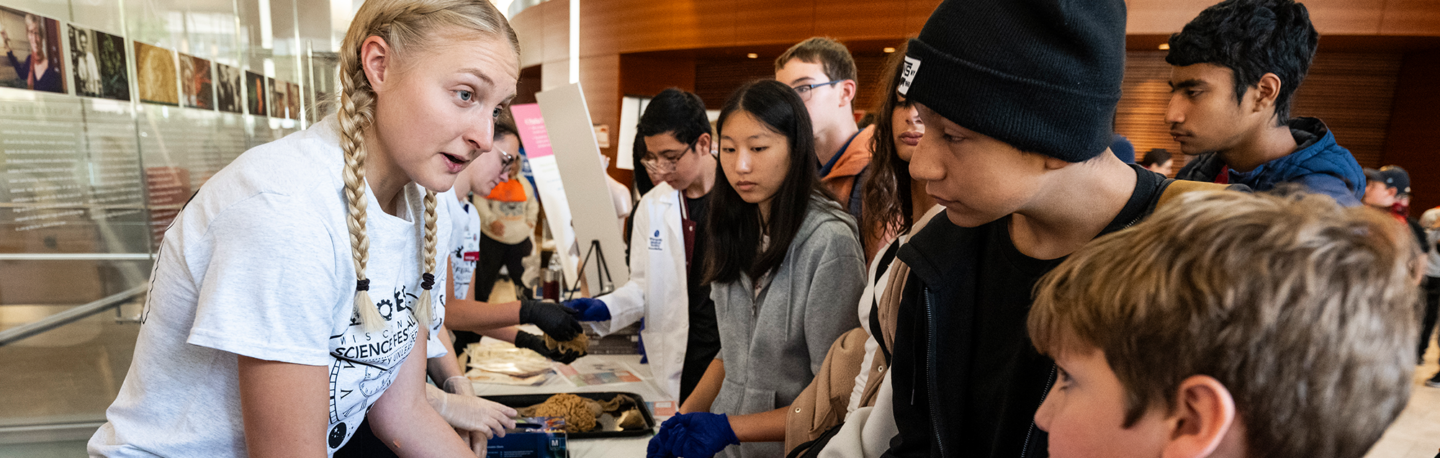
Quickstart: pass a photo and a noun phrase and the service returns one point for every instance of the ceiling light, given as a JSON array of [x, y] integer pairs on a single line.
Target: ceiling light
[[1164, 46], [889, 50], [752, 55]]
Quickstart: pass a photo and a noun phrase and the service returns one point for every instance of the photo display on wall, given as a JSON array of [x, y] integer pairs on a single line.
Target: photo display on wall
[[228, 88], [292, 95], [277, 98], [32, 45], [196, 85], [155, 75], [98, 64], [256, 94]]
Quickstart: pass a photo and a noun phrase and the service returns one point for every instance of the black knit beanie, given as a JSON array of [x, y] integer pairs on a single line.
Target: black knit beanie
[[1041, 75]]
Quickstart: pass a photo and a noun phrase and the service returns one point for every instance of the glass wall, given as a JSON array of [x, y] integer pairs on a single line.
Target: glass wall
[[112, 114]]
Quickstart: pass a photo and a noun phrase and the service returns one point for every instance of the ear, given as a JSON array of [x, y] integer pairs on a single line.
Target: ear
[[375, 60], [702, 144], [1266, 91], [848, 90], [1203, 418]]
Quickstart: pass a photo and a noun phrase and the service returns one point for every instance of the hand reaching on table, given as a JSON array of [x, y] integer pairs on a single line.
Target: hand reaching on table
[[470, 413], [555, 320]]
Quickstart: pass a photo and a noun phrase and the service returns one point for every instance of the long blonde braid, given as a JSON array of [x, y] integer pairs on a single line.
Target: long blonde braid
[[427, 265], [402, 24]]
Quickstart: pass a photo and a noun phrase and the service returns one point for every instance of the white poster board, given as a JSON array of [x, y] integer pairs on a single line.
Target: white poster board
[[631, 108], [578, 160]]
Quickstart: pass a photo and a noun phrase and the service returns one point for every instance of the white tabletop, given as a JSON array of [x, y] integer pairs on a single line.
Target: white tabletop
[[596, 448]]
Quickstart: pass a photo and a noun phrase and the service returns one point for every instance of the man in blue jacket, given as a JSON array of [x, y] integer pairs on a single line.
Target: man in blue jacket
[[1236, 69]]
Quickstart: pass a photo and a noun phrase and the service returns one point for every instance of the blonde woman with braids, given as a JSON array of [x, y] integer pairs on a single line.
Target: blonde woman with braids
[[296, 295]]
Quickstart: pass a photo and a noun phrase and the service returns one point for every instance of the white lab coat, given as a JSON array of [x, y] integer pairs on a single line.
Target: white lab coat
[[657, 287]]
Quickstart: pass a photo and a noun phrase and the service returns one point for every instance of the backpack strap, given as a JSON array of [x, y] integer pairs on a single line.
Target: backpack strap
[[1171, 189]]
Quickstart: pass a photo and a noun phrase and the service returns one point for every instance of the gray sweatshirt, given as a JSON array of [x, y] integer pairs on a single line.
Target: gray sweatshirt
[[773, 345]]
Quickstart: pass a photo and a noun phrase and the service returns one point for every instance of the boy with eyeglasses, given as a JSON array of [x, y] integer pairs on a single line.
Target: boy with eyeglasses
[[667, 249], [822, 71]]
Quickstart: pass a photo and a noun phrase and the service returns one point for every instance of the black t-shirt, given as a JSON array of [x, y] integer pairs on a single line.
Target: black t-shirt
[[1002, 378], [1004, 365], [704, 341]]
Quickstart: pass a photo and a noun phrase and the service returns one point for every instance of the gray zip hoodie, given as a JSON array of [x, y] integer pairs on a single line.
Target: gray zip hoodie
[[774, 344]]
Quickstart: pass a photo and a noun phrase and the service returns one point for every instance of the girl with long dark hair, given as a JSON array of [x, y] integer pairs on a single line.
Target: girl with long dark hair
[[786, 268]]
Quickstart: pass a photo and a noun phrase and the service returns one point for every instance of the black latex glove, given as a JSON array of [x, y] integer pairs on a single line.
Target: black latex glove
[[555, 320], [537, 343]]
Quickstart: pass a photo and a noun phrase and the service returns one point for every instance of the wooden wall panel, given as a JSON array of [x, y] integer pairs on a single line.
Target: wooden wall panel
[[557, 29], [600, 79], [647, 75], [602, 25], [1352, 93], [770, 22], [529, 26], [1411, 138], [916, 13], [704, 24], [1146, 17], [864, 20], [1411, 17], [1344, 17], [716, 79], [630, 26]]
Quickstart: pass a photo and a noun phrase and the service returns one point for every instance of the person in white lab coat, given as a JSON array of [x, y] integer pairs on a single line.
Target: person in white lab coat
[[667, 249]]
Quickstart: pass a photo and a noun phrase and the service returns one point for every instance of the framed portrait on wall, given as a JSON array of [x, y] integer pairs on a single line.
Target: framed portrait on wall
[[97, 64], [31, 44], [196, 84], [155, 75]]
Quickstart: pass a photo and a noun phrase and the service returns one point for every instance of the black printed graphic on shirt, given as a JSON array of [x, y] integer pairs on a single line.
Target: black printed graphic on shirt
[[364, 364]]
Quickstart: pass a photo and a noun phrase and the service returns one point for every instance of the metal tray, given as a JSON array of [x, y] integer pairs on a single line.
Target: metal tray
[[526, 400]]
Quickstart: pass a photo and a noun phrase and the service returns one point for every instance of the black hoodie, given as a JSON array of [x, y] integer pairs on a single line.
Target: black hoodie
[[967, 381]]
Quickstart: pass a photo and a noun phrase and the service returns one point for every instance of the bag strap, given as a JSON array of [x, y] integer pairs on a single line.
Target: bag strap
[[1173, 188]]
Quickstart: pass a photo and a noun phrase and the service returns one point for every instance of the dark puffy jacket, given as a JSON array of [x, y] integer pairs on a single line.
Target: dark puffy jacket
[[1319, 164]]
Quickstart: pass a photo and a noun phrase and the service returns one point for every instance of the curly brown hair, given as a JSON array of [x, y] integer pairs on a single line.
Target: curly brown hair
[[886, 196]]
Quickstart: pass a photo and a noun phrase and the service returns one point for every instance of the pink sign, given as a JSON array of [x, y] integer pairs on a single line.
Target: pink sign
[[532, 130]]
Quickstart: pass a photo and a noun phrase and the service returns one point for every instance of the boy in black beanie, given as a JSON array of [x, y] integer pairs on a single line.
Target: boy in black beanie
[[1235, 70], [1017, 97]]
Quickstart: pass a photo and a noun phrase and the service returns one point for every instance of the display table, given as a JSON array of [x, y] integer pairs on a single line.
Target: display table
[[596, 448]]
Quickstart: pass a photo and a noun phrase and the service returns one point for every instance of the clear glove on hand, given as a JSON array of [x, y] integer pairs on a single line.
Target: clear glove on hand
[[537, 343], [590, 309], [692, 435], [555, 320], [470, 413], [477, 440]]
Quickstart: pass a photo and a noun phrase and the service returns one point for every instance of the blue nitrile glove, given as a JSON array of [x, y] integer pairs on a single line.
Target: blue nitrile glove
[[590, 309], [692, 435], [656, 447]]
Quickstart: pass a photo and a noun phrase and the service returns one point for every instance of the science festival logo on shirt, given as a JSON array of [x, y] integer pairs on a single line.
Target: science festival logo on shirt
[[655, 241], [369, 361]]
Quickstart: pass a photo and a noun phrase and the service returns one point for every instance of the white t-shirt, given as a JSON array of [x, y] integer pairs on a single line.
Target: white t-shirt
[[465, 244], [259, 264]]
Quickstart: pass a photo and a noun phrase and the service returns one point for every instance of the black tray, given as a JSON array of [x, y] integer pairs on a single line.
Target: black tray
[[526, 400]]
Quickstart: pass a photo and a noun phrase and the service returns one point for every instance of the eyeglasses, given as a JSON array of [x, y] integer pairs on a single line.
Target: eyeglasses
[[505, 158], [661, 165], [804, 89]]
